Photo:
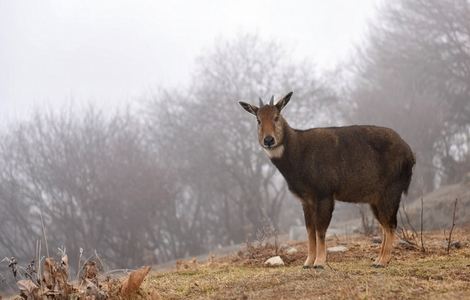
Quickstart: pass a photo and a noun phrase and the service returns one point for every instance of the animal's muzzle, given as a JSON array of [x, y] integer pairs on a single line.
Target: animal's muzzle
[[268, 141]]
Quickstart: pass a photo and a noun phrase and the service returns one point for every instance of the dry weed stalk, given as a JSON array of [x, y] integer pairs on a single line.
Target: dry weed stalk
[[452, 227], [423, 249], [79, 261], [265, 233], [190, 264], [12, 264], [407, 233], [44, 232]]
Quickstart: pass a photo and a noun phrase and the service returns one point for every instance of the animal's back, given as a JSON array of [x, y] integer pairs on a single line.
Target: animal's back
[[362, 160]]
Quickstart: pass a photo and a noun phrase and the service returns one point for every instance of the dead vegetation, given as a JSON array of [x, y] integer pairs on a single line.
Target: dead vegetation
[[49, 278]]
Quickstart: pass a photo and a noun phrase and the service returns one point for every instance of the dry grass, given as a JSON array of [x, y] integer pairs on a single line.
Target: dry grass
[[411, 275]]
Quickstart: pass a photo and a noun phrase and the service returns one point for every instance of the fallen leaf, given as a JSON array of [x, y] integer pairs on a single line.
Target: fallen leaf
[[27, 285], [153, 295], [48, 274], [28, 289], [65, 264], [93, 292], [134, 280], [90, 271]]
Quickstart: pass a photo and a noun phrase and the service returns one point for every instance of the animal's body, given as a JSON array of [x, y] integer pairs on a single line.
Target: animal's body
[[359, 164]]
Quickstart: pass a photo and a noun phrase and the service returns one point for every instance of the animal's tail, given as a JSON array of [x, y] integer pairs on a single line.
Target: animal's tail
[[407, 171]]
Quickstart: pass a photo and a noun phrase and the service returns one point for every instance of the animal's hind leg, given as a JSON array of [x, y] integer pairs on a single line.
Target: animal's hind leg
[[389, 237], [323, 213], [376, 214], [310, 225], [387, 209]]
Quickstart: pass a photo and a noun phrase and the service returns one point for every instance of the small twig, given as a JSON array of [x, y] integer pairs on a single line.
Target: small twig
[[44, 232], [408, 219], [12, 264], [79, 260], [452, 228], [39, 261], [402, 221], [31, 270], [38, 255], [422, 212], [100, 260], [62, 251], [119, 271], [276, 241], [329, 266], [404, 236]]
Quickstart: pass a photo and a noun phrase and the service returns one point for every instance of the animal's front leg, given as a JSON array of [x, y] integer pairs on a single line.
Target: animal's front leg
[[323, 213], [311, 235]]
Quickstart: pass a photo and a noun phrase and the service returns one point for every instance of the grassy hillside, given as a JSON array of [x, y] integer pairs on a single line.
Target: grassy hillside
[[411, 274], [439, 205]]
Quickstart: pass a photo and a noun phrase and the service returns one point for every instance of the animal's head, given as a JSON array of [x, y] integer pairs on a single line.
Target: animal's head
[[270, 121]]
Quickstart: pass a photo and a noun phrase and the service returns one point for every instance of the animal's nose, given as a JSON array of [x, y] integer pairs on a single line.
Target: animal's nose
[[268, 141]]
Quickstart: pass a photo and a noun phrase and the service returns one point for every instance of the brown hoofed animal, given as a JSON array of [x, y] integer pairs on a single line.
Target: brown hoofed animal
[[359, 164]]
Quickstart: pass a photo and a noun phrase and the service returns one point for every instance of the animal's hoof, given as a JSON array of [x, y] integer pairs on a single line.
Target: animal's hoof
[[378, 266], [307, 266], [319, 267]]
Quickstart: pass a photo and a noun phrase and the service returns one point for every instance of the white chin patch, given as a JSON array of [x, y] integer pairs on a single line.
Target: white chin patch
[[275, 152]]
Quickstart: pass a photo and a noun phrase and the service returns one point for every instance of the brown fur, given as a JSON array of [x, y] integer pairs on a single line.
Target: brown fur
[[359, 164]]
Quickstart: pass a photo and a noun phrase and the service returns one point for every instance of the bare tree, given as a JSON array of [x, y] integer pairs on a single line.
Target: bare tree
[[96, 183], [414, 75]]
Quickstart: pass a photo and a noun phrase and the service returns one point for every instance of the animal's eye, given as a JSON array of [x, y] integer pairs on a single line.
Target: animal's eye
[[276, 118], [259, 122]]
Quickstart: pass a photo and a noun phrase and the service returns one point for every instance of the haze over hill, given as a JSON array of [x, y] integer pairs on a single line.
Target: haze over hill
[[112, 52]]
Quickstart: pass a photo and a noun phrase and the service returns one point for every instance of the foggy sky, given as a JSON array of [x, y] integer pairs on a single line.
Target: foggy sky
[[109, 52]]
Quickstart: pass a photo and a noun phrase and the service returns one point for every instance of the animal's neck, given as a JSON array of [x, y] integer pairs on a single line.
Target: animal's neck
[[288, 162], [287, 146], [275, 153]]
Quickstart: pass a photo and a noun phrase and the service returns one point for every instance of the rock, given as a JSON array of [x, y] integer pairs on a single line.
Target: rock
[[274, 261], [437, 277], [292, 250], [337, 249], [455, 245], [406, 245], [376, 240]]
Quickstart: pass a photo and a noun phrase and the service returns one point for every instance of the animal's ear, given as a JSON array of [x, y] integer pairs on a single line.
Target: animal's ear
[[283, 102], [249, 108]]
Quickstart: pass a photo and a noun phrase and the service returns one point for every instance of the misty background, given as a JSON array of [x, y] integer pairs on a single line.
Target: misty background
[[113, 52], [121, 130]]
